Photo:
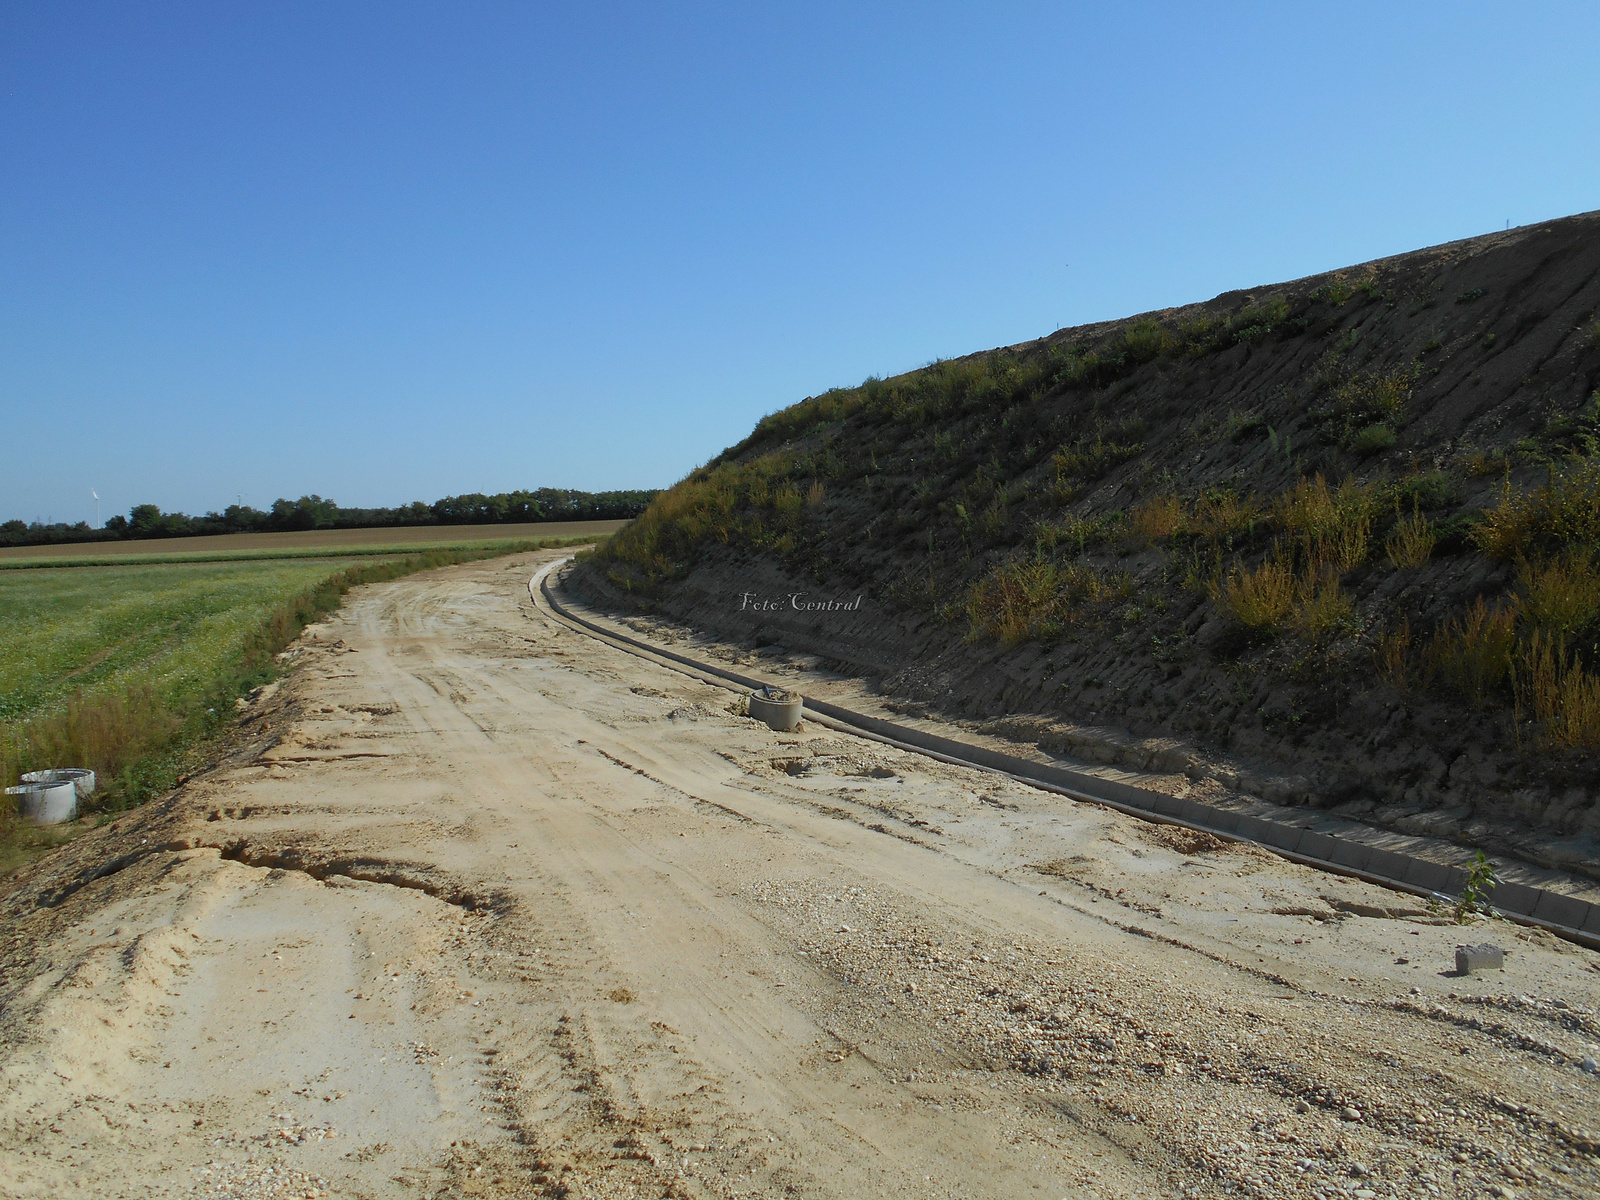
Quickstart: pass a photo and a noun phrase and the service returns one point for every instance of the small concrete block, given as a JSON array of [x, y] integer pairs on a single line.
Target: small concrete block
[[1479, 958]]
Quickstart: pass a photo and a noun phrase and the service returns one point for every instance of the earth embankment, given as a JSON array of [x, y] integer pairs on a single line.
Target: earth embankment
[[1338, 535]]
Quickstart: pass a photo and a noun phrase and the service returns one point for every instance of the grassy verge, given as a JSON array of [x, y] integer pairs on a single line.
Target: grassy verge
[[133, 672]]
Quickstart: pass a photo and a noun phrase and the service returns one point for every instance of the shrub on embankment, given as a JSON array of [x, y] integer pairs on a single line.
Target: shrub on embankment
[[1349, 522]]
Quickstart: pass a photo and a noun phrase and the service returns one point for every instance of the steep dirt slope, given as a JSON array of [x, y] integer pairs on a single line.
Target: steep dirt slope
[[1337, 533]]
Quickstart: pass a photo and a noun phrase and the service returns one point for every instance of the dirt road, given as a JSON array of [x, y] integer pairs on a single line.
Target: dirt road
[[492, 909]]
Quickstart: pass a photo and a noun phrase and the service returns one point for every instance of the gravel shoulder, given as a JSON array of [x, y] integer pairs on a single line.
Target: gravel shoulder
[[489, 908]]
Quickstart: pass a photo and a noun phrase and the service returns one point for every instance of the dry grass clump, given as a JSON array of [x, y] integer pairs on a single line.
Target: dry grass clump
[[1478, 462], [1322, 607], [1156, 520], [1090, 459], [1561, 596], [1017, 602], [1562, 696], [1474, 655], [1523, 647], [1392, 655], [1262, 597], [1274, 596], [1376, 395], [1563, 512], [1333, 526], [1326, 531], [1214, 516], [1411, 542], [1219, 515]]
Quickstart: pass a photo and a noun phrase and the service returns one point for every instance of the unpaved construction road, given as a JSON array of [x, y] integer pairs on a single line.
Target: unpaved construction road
[[491, 908]]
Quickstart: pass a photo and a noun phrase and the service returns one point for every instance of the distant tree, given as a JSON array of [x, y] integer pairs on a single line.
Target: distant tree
[[308, 512], [240, 518], [144, 521], [315, 512]]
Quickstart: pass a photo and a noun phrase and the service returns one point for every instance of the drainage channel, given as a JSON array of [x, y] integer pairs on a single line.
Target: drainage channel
[[1565, 916]]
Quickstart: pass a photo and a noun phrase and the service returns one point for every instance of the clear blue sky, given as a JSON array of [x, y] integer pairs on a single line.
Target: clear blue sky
[[393, 251]]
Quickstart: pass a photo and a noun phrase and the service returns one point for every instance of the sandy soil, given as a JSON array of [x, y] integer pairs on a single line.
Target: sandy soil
[[491, 909], [418, 535]]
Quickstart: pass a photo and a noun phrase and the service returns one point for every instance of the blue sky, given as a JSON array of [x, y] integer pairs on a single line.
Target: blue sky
[[393, 251]]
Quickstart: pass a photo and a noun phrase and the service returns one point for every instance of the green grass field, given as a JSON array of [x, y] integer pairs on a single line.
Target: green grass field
[[132, 669], [500, 545], [310, 543], [169, 628]]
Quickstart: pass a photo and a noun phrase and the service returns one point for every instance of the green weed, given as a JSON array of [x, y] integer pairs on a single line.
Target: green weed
[[1364, 400], [1576, 433], [1336, 291], [1373, 439], [1481, 880], [1256, 322], [1088, 460]]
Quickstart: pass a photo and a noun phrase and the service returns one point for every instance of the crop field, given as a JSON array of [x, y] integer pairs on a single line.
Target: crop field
[[308, 543], [132, 669], [165, 627]]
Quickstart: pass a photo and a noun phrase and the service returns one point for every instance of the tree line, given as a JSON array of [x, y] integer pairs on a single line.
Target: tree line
[[315, 512]]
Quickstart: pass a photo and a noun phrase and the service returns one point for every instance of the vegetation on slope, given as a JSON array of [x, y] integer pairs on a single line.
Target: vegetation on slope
[[1251, 520]]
